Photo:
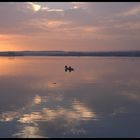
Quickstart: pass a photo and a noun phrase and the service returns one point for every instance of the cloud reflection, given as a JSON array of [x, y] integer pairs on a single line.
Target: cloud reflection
[[37, 99], [41, 110], [9, 116], [77, 113], [28, 132]]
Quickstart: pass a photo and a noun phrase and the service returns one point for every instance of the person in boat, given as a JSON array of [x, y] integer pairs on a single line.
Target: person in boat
[[69, 68]]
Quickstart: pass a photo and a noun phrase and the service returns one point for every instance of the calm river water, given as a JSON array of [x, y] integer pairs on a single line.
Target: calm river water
[[100, 98]]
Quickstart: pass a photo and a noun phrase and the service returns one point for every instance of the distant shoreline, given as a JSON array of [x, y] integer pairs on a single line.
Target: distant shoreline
[[71, 53]]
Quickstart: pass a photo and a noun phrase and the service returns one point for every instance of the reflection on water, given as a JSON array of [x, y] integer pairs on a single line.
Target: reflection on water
[[41, 111], [37, 99], [77, 112], [100, 99], [28, 132]]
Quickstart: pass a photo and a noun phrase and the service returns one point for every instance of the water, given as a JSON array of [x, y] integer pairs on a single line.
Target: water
[[100, 98]]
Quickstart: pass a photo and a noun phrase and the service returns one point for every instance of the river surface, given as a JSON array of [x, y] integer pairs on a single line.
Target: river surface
[[100, 98]]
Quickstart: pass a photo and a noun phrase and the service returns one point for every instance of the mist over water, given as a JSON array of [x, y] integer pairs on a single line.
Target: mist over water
[[100, 98]]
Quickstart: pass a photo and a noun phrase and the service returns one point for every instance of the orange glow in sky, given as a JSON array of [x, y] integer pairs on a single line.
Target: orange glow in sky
[[74, 26]]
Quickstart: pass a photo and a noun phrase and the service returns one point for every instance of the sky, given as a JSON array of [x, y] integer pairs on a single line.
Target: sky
[[69, 26]]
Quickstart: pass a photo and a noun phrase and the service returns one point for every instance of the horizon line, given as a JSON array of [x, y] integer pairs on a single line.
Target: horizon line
[[69, 51]]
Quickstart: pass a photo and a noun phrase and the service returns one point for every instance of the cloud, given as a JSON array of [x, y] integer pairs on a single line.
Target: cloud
[[36, 7], [74, 20], [132, 11], [79, 5]]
